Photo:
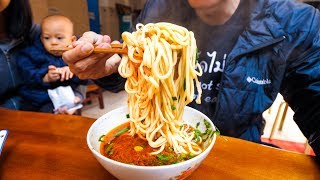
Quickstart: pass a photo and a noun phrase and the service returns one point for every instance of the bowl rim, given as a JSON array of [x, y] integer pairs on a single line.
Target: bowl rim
[[196, 158]]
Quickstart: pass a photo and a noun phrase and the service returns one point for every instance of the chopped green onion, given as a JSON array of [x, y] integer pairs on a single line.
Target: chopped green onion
[[184, 85], [173, 107], [207, 134], [121, 132], [100, 138], [163, 157], [207, 124], [217, 132], [208, 131], [197, 124], [197, 135], [183, 156], [108, 149], [191, 155], [111, 152], [128, 115], [174, 98]]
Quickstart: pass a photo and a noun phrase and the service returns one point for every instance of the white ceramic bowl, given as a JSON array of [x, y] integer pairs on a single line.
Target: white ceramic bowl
[[126, 171]]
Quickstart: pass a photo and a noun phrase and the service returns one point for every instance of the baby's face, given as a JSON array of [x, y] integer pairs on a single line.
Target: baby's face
[[56, 33]]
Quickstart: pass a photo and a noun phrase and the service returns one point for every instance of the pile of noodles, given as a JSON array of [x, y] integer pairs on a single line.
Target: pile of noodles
[[161, 69]]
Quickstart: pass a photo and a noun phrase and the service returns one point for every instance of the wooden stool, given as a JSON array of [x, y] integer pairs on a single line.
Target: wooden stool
[[93, 91]]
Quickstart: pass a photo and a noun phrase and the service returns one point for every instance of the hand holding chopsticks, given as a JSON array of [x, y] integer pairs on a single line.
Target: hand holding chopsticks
[[115, 48], [90, 59]]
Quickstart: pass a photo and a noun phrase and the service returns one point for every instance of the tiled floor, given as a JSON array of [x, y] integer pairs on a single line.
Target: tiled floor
[[111, 101], [290, 131]]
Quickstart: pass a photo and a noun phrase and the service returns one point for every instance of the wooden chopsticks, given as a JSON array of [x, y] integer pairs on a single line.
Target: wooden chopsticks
[[115, 48]]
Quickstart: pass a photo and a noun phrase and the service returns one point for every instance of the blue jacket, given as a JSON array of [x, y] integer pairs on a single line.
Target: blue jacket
[[10, 80], [33, 65], [279, 51]]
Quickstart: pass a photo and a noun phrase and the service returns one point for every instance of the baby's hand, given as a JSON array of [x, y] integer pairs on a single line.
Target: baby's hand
[[65, 72], [52, 76], [62, 110]]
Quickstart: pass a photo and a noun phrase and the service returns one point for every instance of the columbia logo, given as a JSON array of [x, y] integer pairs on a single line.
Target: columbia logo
[[258, 81]]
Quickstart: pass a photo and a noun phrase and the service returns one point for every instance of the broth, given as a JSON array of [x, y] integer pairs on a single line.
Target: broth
[[120, 146]]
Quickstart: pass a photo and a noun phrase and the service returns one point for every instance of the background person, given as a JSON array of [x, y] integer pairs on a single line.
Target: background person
[[16, 31], [250, 51]]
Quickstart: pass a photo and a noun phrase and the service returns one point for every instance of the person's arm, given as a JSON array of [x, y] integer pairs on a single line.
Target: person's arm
[[102, 68], [301, 85], [86, 65], [30, 71], [114, 82]]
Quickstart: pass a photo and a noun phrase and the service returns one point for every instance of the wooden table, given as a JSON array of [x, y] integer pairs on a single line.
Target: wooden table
[[47, 146]]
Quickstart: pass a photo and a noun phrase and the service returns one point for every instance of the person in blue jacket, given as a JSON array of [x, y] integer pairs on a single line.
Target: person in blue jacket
[[43, 69], [16, 31], [250, 50]]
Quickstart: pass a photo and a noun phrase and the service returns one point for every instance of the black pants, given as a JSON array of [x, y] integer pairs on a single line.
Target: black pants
[[46, 108]]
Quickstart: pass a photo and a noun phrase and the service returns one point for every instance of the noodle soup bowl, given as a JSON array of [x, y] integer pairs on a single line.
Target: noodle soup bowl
[[121, 170]]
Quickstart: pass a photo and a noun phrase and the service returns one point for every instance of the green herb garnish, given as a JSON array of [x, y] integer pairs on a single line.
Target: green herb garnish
[[100, 138], [173, 107], [217, 132], [108, 149], [197, 124], [128, 116], [191, 155], [197, 135], [121, 131], [111, 152], [207, 124], [174, 98], [163, 157]]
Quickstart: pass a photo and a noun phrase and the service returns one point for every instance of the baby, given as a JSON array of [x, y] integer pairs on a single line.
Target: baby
[[57, 32], [43, 70]]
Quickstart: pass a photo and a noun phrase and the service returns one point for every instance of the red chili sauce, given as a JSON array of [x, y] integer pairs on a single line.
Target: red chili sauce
[[134, 150]]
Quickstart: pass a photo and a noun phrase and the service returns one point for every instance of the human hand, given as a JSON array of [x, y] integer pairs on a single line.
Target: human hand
[[52, 76], [87, 65], [62, 110], [65, 73]]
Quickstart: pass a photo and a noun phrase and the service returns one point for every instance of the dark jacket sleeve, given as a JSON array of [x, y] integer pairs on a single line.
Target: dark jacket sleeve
[[301, 85], [113, 82], [32, 72]]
